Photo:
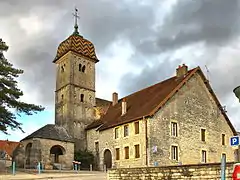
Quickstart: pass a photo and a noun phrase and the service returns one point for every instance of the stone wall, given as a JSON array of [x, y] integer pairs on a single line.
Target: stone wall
[[201, 171], [40, 151], [107, 141], [192, 108]]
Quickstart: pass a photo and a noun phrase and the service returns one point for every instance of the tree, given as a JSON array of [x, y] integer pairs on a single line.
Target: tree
[[85, 157], [10, 104]]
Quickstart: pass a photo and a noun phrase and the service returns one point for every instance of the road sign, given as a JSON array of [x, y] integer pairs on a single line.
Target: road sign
[[234, 141]]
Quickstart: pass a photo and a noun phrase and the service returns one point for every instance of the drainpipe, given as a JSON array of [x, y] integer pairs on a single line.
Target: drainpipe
[[146, 138]]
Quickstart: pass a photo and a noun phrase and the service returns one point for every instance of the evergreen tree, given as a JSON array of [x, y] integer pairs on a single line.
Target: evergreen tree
[[10, 104]]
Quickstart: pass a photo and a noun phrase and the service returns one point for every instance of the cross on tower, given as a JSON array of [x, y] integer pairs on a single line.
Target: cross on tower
[[76, 17]]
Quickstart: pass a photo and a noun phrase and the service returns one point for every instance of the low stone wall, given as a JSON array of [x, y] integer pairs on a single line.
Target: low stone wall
[[197, 172]]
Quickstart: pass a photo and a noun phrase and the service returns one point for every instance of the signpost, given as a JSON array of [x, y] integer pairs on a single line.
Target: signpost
[[234, 141], [223, 167]]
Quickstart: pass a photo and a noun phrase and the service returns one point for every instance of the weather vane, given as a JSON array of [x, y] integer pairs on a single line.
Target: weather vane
[[76, 17]]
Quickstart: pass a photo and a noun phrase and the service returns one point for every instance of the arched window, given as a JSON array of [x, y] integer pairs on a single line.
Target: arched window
[[81, 97], [79, 67], [62, 96], [83, 68]]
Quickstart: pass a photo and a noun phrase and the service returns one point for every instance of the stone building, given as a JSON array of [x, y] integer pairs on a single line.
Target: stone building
[[177, 121], [75, 107]]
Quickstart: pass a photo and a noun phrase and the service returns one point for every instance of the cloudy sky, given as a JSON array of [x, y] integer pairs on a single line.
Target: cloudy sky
[[138, 42]]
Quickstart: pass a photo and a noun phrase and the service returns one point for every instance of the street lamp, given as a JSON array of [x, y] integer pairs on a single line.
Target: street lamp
[[237, 92]]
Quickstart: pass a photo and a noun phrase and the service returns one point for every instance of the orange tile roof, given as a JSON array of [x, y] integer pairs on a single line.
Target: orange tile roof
[[8, 146], [77, 44], [148, 101]]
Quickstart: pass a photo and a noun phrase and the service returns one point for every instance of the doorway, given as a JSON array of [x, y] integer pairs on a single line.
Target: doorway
[[108, 158], [57, 151]]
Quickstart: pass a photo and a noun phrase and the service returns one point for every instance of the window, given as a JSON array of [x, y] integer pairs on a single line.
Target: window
[[62, 69], [224, 155], [83, 68], [174, 151], [62, 96], [223, 139], [81, 97], [117, 153], [97, 147], [79, 67], [126, 130], [116, 133], [137, 152], [136, 126], [203, 135], [174, 129], [204, 156], [126, 152]]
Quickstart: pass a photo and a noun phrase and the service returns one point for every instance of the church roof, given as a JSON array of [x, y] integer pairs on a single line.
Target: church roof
[[51, 131], [77, 44], [148, 101]]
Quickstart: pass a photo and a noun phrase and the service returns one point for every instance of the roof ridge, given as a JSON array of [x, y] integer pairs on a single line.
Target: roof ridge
[[165, 90], [156, 84]]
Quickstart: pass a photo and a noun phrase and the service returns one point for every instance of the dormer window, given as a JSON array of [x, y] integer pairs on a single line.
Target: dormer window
[[83, 68], [81, 97]]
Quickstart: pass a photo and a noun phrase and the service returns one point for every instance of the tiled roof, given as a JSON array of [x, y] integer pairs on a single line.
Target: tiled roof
[[148, 101], [77, 44], [8, 146], [51, 131]]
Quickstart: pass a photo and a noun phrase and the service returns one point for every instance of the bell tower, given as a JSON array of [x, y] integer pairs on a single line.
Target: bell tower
[[75, 85]]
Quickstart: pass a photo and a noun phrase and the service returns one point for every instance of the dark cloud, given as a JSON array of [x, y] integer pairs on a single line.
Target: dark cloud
[[102, 22], [213, 23], [150, 75]]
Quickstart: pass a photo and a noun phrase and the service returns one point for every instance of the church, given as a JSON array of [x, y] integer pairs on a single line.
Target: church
[[177, 121]]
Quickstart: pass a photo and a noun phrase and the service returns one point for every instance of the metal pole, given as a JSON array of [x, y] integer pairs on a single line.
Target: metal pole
[[39, 168], [75, 166], [105, 168], [223, 167], [13, 168]]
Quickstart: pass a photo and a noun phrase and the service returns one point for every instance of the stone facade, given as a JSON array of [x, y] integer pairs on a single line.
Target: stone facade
[[107, 141], [200, 172], [75, 95], [32, 151], [192, 108]]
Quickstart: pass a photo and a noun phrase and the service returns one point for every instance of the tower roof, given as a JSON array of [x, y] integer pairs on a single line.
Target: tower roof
[[77, 44]]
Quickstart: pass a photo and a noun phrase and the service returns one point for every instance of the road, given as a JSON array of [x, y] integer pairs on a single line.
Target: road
[[61, 176]]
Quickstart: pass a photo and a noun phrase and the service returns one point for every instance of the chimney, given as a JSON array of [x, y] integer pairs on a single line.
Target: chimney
[[114, 98], [124, 106], [181, 71]]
